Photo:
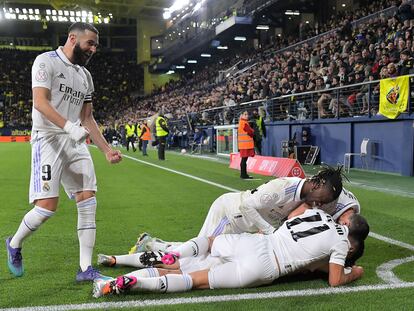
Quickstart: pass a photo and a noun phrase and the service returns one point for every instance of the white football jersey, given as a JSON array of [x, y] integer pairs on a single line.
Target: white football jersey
[[344, 202], [70, 86], [262, 208], [308, 238]]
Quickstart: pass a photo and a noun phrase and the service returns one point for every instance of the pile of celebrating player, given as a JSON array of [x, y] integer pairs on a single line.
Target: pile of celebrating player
[[286, 226]]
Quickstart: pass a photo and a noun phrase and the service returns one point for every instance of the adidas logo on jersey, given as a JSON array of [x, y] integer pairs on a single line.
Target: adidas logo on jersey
[[61, 76]]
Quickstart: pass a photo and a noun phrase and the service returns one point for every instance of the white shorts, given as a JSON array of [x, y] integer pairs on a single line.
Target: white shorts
[[216, 221], [248, 259], [192, 264], [59, 160]]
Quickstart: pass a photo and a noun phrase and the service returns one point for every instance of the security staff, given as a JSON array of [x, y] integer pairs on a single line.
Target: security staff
[[162, 131], [145, 137], [130, 135], [245, 143], [139, 133], [260, 131]]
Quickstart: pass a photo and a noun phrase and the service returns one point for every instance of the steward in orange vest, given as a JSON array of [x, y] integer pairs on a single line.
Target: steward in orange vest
[[245, 143], [145, 137]]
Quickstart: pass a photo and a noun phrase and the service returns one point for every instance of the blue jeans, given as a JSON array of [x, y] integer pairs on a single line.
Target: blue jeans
[[144, 147]]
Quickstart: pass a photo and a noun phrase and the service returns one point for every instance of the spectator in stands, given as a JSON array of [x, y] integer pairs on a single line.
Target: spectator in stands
[[405, 64], [405, 11], [350, 54], [197, 140]]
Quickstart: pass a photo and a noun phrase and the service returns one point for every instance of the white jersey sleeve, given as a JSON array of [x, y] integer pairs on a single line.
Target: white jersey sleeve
[[345, 201], [91, 87], [262, 206], [42, 72]]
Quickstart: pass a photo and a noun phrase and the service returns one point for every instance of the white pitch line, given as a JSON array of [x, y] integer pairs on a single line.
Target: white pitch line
[[181, 173], [209, 299], [391, 241], [383, 190], [384, 271]]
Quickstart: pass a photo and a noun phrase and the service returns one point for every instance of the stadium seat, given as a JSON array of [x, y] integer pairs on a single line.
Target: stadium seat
[[362, 154], [198, 148]]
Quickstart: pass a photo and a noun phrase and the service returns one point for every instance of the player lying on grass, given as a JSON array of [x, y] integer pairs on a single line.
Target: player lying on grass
[[250, 260], [264, 209], [340, 209]]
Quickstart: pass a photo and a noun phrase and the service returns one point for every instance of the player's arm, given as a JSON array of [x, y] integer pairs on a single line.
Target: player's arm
[[251, 214], [88, 121], [338, 277], [260, 198], [41, 102]]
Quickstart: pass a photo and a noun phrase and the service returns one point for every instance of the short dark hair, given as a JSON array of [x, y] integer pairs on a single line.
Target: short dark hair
[[359, 251], [331, 177], [358, 227], [81, 26]]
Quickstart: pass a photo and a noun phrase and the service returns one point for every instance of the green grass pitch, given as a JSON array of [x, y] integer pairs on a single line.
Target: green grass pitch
[[134, 197]]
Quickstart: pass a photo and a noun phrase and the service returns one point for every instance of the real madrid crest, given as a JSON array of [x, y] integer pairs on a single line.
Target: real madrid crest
[[46, 187]]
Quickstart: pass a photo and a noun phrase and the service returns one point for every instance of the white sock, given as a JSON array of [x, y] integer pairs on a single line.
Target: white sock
[[86, 231], [31, 221], [131, 260], [170, 283], [145, 273], [163, 246], [193, 248]]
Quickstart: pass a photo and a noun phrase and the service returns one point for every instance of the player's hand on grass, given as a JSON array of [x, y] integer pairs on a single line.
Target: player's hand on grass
[[76, 133], [113, 156], [358, 271]]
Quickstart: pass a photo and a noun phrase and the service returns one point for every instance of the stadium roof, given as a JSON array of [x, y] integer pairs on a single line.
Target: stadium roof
[[119, 8]]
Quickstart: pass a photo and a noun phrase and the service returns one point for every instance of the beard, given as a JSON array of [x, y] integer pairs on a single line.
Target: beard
[[80, 57]]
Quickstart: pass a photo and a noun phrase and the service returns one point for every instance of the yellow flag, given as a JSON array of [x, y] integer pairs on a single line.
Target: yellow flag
[[394, 94]]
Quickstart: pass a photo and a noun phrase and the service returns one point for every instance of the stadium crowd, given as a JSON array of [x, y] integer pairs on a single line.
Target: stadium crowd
[[378, 48]]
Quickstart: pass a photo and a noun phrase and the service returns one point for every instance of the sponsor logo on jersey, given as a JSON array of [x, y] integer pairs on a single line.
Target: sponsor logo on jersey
[[72, 96], [61, 76]]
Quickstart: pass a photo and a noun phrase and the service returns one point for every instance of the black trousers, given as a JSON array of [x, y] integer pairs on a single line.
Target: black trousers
[[243, 167], [258, 145], [130, 140], [162, 140]]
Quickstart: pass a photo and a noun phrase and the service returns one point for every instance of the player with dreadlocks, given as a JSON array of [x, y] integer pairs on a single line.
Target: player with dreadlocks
[[259, 210]]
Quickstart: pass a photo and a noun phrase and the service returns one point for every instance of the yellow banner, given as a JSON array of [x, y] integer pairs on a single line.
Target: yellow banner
[[394, 94]]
